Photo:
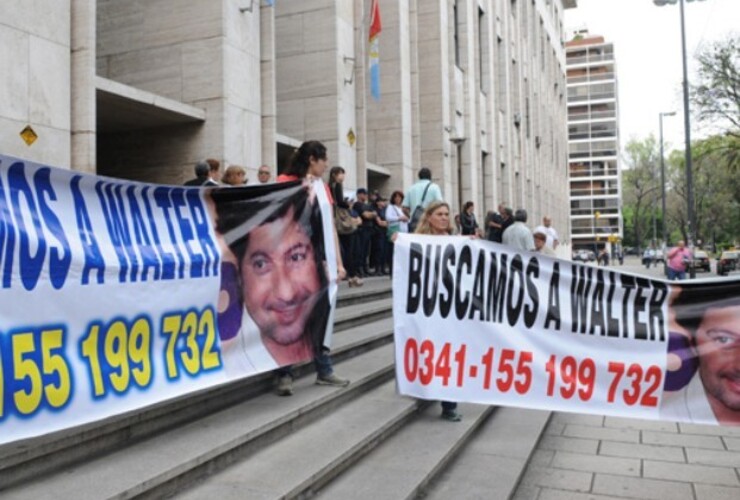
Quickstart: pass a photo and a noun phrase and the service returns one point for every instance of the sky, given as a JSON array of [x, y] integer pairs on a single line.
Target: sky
[[647, 47]]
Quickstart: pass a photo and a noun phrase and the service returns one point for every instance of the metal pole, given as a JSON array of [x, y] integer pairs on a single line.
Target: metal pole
[[687, 134], [662, 182]]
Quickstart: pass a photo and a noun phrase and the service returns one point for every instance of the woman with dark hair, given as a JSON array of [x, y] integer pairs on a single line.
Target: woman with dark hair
[[468, 224], [309, 162], [436, 221], [348, 242], [398, 222]]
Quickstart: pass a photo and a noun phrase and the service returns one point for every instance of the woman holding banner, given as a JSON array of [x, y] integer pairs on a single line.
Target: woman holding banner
[[436, 221], [309, 162]]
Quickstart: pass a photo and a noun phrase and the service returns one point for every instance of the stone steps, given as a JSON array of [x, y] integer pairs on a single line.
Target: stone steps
[[404, 465], [242, 441], [163, 463], [30, 458], [303, 461]]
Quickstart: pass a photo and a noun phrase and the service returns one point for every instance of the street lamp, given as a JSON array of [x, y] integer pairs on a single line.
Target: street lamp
[[687, 130], [662, 175]]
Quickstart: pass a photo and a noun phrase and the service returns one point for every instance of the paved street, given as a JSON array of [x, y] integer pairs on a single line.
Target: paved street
[[633, 265], [596, 457]]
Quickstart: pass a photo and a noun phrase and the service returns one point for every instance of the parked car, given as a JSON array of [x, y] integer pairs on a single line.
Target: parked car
[[659, 256], [584, 256], [701, 260], [728, 261]]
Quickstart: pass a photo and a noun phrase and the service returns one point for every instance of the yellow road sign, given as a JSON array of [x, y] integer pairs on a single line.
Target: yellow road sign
[[28, 135]]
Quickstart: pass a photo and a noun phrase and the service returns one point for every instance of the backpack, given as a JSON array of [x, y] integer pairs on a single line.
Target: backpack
[[418, 211]]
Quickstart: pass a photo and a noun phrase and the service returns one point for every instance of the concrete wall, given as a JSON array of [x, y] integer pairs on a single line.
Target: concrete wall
[[203, 53], [35, 82], [490, 125], [389, 120], [312, 40]]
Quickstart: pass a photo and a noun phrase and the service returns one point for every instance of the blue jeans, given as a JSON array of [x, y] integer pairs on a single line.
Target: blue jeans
[[322, 362], [675, 275]]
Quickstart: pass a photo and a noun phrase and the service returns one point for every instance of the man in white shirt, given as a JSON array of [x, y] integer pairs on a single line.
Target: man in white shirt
[[421, 194], [518, 234], [552, 235]]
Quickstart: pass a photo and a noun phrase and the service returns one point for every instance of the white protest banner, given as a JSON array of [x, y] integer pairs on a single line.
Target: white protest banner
[[478, 322], [116, 295]]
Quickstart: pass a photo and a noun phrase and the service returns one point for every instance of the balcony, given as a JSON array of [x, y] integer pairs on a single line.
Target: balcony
[[593, 115], [588, 173], [593, 134], [597, 96], [593, 77], [588, 59], [594, 192]]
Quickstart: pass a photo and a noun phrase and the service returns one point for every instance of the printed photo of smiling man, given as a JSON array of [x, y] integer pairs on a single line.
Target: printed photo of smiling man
[[708, 362], [274, 303]]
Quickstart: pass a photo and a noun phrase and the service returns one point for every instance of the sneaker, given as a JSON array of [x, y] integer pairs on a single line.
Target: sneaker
[[451, 415], [284, 386], [332, 380]]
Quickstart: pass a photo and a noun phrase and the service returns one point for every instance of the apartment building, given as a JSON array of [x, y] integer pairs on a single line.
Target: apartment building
[[593, 143], [473, 89]]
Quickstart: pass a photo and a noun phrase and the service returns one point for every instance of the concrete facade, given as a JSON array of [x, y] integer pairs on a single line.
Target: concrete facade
[[473, 89], [593, 141]]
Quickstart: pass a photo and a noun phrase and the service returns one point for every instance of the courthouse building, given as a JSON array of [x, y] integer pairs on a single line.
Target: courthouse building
[[473, 89]]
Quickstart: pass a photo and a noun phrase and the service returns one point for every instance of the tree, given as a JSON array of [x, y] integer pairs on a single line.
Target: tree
[[716, 97], [641, 186], [716, 190]]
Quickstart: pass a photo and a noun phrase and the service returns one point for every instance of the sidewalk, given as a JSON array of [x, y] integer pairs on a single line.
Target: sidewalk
[[593, 457]]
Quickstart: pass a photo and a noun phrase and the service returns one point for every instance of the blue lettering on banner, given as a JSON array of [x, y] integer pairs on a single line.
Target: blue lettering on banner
[[202, 231], [26, 219], [149, 257], [186, 232], [162, 199], [168, 260], [7, 238], [58, 265], [116, 222], [93, 257], [187, 248], [30, 265]]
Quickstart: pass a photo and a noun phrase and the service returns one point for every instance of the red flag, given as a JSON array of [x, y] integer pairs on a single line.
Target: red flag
[[374, 20]]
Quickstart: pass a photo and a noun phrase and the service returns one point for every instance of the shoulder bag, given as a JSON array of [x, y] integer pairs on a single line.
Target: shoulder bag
[[418, 211], [344, 221]]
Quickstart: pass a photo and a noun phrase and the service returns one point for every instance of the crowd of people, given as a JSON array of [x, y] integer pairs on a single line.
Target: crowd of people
[[367, 225]]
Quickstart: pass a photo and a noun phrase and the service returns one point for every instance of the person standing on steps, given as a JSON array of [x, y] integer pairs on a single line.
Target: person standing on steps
[[309, 162], [420, 196], [436, 221], [348, 242]]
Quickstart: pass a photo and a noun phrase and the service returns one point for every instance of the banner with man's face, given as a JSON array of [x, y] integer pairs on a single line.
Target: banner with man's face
[[116, 295], [480, 322]]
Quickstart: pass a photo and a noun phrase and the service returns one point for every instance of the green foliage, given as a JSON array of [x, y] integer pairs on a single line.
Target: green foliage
[[716, 96], [716, 189], [641, 189]]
